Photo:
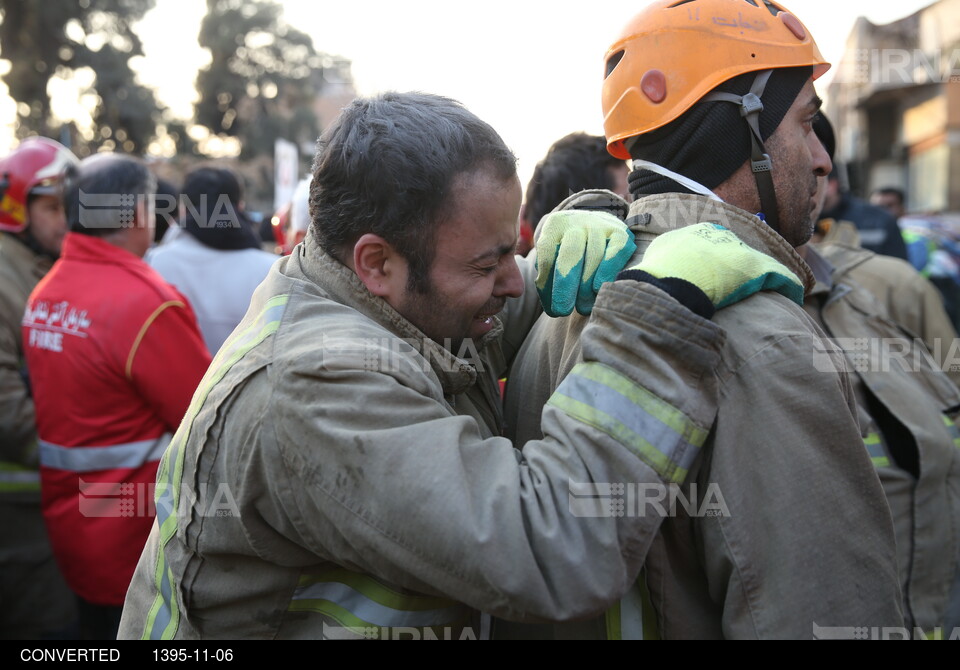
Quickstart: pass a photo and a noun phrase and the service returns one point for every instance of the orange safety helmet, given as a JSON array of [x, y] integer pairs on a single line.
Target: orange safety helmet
[[34, 168], [674, 52]]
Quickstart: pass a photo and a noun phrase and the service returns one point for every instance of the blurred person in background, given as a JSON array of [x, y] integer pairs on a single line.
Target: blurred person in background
[[115, 355], [290, 222], [906, 404], [215, 259], [167, 200], [876, 228], [930, 248], [34, 600], [574, 163], [891, 199], [908, 298]]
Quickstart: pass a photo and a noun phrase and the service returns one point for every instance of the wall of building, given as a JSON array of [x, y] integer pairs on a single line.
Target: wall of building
[[896, 106]]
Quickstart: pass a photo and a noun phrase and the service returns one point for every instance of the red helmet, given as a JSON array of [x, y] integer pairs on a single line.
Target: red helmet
[[34, 168]]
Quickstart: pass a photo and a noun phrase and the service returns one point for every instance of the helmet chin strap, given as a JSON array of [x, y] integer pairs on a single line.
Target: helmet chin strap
[[750, 108]]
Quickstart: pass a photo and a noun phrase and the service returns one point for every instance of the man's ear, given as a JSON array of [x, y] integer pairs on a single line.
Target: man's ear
[[378, 265]]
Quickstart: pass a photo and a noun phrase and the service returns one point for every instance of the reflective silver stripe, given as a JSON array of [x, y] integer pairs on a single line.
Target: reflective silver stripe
[[21, 477], [663, 447], [631, 614], [874, 449], [92, 459], [373, 612]]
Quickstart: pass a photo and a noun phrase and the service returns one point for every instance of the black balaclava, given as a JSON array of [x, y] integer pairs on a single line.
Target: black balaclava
[[711, 140]]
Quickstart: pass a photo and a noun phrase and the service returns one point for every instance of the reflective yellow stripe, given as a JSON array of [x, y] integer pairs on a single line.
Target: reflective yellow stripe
[[376, 590], [662, 436], [16, 478], [613, 622], [954, 431], [359, 601], [164, 615], [651, 631], [633, 617], [874, 446], [644, 399]]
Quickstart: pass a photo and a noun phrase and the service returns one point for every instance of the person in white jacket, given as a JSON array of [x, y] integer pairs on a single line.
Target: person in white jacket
[[213, 257]]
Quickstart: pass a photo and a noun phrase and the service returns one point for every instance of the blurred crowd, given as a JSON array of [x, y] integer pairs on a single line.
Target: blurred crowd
[[127, 302]]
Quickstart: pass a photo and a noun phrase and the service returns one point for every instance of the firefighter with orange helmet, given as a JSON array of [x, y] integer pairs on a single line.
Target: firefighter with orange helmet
[[714, 101], [674, 61], [36, 601]]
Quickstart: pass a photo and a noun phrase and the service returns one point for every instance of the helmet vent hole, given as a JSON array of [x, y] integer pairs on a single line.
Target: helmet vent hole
[[772, 7], [612, 63]]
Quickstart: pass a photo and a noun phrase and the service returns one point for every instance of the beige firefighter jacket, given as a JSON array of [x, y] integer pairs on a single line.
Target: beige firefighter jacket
[[363, 485], [907, 410], [35, 597], [806, 543], [20, 270], [910, 300]]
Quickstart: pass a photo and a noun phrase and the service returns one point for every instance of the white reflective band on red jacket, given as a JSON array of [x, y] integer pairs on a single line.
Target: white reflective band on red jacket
[[90, 459]]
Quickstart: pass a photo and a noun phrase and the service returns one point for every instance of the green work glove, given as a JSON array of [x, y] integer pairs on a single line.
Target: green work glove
[[577, 252], [714, 260]]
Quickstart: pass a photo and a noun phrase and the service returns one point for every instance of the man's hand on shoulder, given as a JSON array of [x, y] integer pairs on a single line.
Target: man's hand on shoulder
[[708, 262], [577, 252]]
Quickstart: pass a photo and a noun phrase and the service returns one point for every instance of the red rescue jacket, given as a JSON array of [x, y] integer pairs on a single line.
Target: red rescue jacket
[[114, 355]]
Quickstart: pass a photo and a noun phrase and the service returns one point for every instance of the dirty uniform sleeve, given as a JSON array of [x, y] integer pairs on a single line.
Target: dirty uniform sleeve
[[168, 361], [17, 419], [381, 477], [806, 539]]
